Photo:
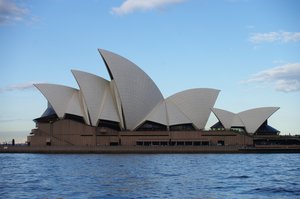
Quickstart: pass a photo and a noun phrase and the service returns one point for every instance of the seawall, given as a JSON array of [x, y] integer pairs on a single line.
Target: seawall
[[147, 149]]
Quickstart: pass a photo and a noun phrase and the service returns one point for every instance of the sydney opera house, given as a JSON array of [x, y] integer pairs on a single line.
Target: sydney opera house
[[129, 109]]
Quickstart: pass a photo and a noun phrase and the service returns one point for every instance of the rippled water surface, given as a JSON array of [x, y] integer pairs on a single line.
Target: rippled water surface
[[150, 176]]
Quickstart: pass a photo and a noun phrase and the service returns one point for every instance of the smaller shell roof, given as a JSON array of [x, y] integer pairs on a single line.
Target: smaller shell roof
[[254, 118], [225, 117], [64, 100], [196, 104], [251, 119]]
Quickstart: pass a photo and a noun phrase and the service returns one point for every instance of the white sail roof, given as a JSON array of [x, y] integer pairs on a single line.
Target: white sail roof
[[225, 117], [237, 121], [254, 118], [138, 93], [175, 115], [158, 114], [196, 104], [251, 119], [97, 94], [64, 100]]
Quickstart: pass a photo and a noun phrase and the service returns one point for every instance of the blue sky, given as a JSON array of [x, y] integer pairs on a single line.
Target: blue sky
[[249, 49]]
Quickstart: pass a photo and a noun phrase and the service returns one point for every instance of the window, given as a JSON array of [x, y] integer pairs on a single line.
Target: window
[[221, 143], [182, 127], [109, 124], [151, 126]]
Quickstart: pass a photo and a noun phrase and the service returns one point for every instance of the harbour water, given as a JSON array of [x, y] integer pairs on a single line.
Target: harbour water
[[150, 176]]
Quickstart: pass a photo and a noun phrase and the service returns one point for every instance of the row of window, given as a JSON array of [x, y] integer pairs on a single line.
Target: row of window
[[146, 126], [153, 126], [173, 143]]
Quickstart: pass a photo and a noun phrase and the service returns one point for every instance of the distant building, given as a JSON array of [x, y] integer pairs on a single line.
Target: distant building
[[130, 110]]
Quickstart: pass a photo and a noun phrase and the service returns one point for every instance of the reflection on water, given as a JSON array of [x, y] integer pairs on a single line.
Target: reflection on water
[[150, 176]]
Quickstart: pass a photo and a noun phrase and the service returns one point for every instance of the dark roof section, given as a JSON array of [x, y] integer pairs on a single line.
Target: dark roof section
[[217, 125], [265, 129], [48, 115]]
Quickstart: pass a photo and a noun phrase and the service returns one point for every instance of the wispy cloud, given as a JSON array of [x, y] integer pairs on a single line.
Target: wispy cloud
[[129, 6], [271, 37], [285, 77], [9, 120], [10, 12], [20, 87]]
